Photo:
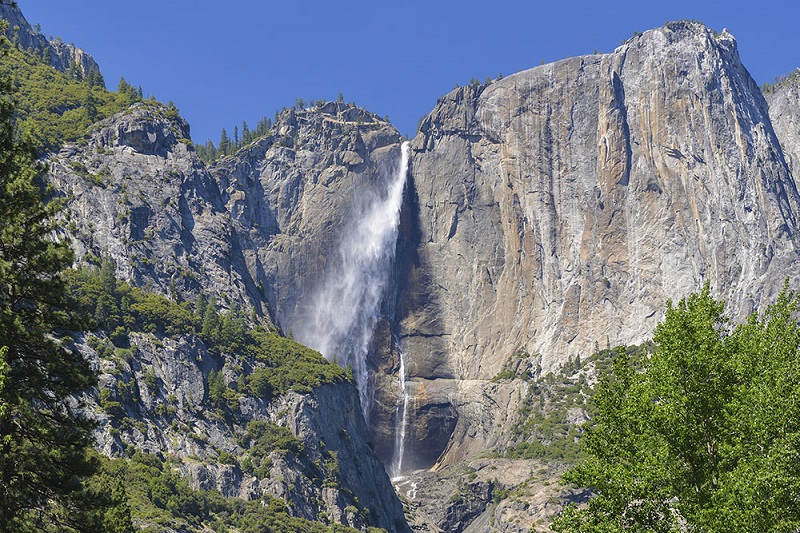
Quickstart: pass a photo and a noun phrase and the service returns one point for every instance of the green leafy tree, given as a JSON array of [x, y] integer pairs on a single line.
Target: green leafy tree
[[43, 442], [706, 435], [759, 480]]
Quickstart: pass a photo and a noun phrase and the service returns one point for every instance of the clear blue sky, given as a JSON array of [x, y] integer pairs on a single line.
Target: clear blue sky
[[222, 62]]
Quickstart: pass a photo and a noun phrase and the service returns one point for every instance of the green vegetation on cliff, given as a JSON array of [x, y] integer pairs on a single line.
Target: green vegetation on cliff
[[119, 309], [54, 107], [159, 499], [706, 435], [781, 81], [555, 404]]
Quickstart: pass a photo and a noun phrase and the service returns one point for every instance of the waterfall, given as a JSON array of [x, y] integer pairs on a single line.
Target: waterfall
[[345, 307], [401, 420]]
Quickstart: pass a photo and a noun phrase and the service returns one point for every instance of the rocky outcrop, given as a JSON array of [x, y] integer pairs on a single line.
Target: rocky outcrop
[[63, 56], [67, 57], [488, 494], [137, 193], [330, 422], [562, 206]]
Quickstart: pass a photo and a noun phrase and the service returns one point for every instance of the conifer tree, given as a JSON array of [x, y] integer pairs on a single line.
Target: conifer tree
[[127, 89], [246, 138], [200, 306], [43, 442], [209, 331], [224, 143]]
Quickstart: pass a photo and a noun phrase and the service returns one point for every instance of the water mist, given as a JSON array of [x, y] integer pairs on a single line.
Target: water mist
[[346, 306]]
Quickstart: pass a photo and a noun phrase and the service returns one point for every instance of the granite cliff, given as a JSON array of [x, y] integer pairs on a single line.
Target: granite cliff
[[138, 193], [784, 113], [557, 209]]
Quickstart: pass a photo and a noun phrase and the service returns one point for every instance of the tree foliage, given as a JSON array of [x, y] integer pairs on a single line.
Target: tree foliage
[[43, 442], [209, 152], [705, 435]]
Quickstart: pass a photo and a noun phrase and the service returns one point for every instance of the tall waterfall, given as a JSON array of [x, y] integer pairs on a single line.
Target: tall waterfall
[[401, 420], [345, 309]]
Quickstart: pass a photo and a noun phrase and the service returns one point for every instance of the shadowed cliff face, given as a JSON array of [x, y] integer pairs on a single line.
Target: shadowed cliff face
[[562, 206]]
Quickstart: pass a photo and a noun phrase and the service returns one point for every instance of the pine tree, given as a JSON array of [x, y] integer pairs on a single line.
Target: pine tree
[[263, 126], [207, 153], [246, 138], [43, 442], [209, 331], [200, 306], [75, 70], [95, 79], [232, 329], [128, 92], [90, 105], [224, 143]]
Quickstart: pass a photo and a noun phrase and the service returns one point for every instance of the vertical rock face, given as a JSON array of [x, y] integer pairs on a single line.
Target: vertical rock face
[[784, 111], [64, 56], [560, 207]]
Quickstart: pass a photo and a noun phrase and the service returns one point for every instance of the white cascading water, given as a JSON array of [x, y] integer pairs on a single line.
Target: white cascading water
[[401, 418], [345, 308]]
